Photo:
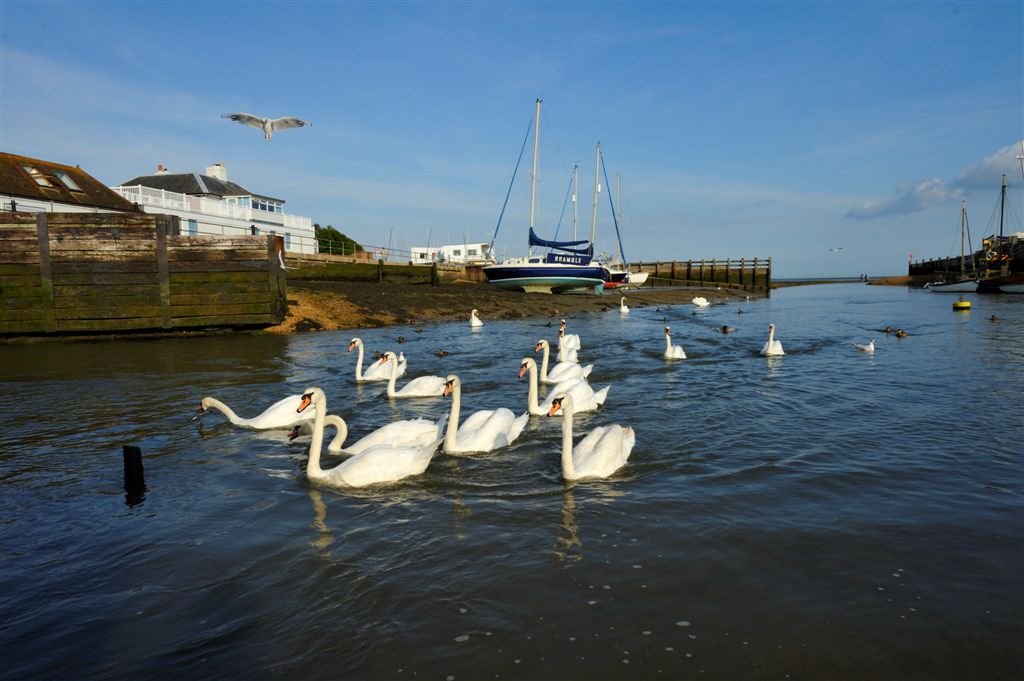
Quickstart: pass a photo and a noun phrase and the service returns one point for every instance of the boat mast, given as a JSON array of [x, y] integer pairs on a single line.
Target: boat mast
[[963, 221], [575, 193], [1002, 206], [533, 178], [597, 189], [618, 207]]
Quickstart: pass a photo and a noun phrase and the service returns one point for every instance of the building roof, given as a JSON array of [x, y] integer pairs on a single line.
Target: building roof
[[32, 178], [193, 184]]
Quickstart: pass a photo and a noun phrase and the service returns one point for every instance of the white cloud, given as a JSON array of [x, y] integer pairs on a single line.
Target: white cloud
[[980, 175], [928, 193]]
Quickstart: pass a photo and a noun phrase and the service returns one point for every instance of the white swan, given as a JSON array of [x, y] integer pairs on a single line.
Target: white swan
[[474, 320], [672, 351], [866, 347], [571, 341], [422, 386], [566, 354], [383, 463], [583, 394], [623, 308], [281, 414], [701, 301], [483, 430], [772, 346], [600, 453], [562, 371], [375, 371], [412, 432]]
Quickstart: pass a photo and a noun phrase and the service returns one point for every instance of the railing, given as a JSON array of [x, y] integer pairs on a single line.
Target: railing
[[741, 274]]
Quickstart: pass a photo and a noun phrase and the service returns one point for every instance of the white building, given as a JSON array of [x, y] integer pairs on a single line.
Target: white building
[[210, 204], [461, 254]]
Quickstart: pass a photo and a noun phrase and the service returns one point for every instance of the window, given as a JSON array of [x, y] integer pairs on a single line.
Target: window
[[287, 241], [193, 228], [471, 251], [456, 252], [38, 176], [66, 179]]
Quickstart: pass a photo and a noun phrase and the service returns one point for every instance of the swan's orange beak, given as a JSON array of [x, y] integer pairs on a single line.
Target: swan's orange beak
[[522, 370], [382, 360], [447, 389], [306, 400], [537, 349], [555, 406], [351, 346]]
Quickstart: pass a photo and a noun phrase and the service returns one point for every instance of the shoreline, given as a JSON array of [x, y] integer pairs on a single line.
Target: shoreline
[[332, 305]]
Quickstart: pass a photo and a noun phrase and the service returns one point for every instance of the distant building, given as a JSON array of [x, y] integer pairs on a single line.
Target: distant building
[[460, 254], [34, 185], [210, 204]]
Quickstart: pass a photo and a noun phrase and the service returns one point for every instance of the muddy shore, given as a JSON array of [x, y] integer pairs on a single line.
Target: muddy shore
[[327, 305]]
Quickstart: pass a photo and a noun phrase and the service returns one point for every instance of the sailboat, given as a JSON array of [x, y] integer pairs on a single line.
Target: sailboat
[[962, 282], [619, 275], [1003, 267], [567, 266]]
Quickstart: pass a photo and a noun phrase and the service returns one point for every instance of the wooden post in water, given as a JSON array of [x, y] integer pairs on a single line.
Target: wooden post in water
[[380, 270], [134, 477], [713, 279], [743, 266], [689, 270]]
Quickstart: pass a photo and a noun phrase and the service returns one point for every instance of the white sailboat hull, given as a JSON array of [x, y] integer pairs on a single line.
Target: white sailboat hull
[[965, 286]]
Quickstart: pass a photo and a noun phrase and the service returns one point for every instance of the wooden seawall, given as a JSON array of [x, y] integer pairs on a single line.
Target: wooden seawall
[[114, 272], [742, 274]]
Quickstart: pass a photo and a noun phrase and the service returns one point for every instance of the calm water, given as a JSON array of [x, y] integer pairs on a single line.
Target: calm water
[[827, 514]]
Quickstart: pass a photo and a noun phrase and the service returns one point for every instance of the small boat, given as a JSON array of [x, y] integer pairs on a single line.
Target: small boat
[[961, 282], [567, 266]]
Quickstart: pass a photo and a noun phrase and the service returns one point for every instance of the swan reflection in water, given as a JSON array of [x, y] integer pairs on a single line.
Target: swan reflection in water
[[325, 537], [568, 546]]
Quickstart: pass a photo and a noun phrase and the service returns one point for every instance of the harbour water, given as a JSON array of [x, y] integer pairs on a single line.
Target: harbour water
[[826, 514]]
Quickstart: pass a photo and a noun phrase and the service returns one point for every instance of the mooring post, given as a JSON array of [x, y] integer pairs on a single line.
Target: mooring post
[[380, 270], [134, 478]]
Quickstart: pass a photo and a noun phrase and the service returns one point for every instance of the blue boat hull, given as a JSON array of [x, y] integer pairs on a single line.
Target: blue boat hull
[[545, 277]]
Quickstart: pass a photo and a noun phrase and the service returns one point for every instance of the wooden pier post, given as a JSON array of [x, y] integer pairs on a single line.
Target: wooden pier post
[[134, 477]]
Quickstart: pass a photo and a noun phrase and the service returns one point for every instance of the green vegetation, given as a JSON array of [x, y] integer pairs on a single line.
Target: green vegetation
[[330, 240]]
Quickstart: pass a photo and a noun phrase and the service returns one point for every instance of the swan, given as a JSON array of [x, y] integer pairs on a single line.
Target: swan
[[600, 453], [374, 371], [562, 371], [623, 308], [672, 351], [701, 301], [583, 394], [772, 346], [483, 430], [570, 340], [866, 347], [565, 353], [382, 463], [411, 432], [422, 386], [475, 321], [280, 414]]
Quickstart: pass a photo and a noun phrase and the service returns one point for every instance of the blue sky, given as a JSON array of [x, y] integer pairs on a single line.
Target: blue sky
[[739, 129]]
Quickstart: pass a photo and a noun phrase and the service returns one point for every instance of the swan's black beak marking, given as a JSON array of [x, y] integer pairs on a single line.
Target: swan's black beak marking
[[556, 404], [447, 389]]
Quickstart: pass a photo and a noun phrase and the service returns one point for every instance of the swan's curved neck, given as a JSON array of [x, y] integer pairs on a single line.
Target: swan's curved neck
[[393, 361], [452, 432], [359, 363], [668, 342], [771, 336], [531, 400], [222, 408], [313, 470], [341, 431], [562, 352], [568, 469], [544, 361]]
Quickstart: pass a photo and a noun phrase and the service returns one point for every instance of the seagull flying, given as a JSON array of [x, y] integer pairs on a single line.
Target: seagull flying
[[267, 125], [835, 250]]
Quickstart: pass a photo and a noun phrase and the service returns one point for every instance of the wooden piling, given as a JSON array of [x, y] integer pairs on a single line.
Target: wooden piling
[[134, 477]]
